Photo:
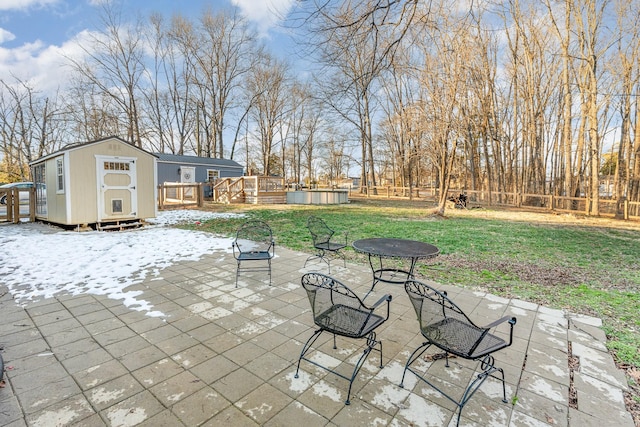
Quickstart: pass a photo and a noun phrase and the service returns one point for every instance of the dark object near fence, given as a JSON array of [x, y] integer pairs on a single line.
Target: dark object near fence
[[322, 234], [339, 311], [460, 202], [445, 325], [254, 244]]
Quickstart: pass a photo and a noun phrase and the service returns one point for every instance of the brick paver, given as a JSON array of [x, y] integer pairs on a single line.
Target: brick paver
[[223, 355]]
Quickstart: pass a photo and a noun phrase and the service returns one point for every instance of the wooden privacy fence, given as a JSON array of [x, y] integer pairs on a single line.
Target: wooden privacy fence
[[621, 208]]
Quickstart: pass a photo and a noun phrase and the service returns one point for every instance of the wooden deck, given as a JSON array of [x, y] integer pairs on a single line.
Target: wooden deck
[[250, 189]]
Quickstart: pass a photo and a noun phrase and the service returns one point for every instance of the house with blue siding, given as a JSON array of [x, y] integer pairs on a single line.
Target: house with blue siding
[[193, 169]]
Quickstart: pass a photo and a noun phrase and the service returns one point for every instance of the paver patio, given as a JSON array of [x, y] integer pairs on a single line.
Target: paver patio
[[223, 355]]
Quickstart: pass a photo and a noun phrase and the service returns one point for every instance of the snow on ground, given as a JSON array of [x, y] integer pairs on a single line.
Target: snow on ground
[[39, 261]]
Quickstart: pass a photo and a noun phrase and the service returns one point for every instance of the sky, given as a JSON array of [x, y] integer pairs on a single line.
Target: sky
[[34, 34], [104, 263]]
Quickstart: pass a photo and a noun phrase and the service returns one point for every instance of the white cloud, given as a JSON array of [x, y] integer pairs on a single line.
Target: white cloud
[[266, 13], [6, 35], [24, 4], [46, 67]]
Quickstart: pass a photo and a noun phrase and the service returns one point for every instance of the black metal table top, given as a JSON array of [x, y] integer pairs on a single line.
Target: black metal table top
[[396, 248]]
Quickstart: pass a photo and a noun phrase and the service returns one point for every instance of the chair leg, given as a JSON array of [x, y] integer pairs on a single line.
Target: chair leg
[[341, 255], [488, 370], [414, 356], [371, 343], [306, 348], [237, 273], [254, 269], [321, 255]]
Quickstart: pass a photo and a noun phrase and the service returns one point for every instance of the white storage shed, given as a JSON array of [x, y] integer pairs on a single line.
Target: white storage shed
[[108, 183]]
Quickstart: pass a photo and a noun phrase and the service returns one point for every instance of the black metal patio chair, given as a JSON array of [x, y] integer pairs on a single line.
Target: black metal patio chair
[[339, 311], [254, 246], [322, 234], [446, 326]]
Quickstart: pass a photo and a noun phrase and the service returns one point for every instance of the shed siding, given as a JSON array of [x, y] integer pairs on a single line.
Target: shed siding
[[147, 183], [85, 195], [56, 203], [84, 208], [79, 203]]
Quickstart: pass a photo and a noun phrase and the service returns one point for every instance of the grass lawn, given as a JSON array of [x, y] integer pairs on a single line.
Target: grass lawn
[[584, 265]]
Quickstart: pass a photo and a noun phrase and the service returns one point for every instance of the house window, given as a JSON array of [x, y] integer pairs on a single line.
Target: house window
[[59, 175], [212, 175]]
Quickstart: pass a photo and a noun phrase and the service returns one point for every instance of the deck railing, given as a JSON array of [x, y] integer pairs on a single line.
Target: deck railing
[[228, 190], [244, 189]]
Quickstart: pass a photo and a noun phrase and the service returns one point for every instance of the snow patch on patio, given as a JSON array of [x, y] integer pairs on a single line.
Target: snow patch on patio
[[39, 261], [421, 413]]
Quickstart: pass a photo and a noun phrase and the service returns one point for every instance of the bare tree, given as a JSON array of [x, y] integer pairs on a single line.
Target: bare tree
[[222, 52], [92, 113], [563, 33], [444, 78], [268, 81], [589, 22], [355, 41], [114, 64], [626, 68], [169, 99], [31, 125], [401, 130]]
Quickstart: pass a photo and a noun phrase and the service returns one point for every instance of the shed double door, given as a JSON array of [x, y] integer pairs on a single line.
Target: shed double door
[[117, 188]]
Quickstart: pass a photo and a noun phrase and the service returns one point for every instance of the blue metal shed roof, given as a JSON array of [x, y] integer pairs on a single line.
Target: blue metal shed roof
[[195, 160]]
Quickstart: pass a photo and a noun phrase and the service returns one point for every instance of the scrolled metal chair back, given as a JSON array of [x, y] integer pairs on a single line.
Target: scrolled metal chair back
[[320, 231]]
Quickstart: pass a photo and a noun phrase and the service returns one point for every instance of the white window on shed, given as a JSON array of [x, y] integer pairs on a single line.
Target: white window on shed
[[60, 175], [212, 175], [116, 166]]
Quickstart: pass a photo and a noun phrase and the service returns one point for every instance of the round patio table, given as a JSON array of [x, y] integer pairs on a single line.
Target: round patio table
[[380, 248]]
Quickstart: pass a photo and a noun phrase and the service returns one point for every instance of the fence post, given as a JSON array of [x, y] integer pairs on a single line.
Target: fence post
[[620, 208], [587, 205], [32, 204], [16, 204], [626, 208], [9, 205]]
